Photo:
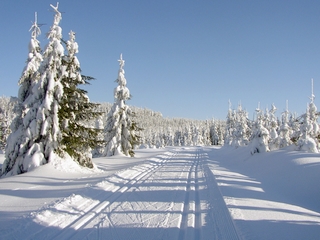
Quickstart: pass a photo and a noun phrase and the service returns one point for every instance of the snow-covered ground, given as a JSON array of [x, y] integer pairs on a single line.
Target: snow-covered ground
[[172, 193]]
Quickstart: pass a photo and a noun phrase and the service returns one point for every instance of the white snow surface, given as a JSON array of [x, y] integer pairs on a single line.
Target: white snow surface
[[171, 193]]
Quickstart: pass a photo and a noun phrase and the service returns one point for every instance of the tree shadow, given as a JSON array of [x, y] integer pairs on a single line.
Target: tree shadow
[[281, 205]]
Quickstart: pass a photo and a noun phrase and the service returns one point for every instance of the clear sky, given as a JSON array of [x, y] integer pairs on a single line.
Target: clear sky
[[183, 58]]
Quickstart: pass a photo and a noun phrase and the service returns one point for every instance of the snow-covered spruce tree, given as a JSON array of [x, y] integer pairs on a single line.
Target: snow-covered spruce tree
[[273, 126], [196, 136], [76, 110], [206, 134], [306, 142], [309, 129], [121, 130], [187, 136], [29, 75], [214, 135], [241, 130], [4, 131], [313, 116], [217, 132], [294, 125], [260, 135], [284, 139], [7, 114], [230, 125], [35, 142]]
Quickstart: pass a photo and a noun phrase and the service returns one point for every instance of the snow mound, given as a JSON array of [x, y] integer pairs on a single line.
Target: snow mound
[[67, 164]]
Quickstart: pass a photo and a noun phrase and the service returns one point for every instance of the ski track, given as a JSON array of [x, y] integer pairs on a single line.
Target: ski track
[[172, 196]]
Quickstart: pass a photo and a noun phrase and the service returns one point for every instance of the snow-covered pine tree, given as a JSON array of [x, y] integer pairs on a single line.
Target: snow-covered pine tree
[[76, 110], [313, 116], [197, 137], [214, 135], [4, 130], [187, 135], [29, 75], [285, 131], [240, 133], [273, 126], [294, 124], [309, 129], [260, 135], [306, 142], [7, 114], [206, 133], [121, 130], [230, 125], [36, 141]]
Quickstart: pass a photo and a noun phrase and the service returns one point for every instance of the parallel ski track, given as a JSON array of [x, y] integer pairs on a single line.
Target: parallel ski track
[[103, 215], [160, 225], [93, 210], [214, 210], [190, 223]]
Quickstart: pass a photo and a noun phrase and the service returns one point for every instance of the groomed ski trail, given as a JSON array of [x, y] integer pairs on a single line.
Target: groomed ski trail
[[171, 196]]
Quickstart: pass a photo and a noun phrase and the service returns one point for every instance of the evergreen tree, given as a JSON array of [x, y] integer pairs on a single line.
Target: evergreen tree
[[240, 133], [284, 138], [35, 142], [259, 143], [4, 131], [309, 129], [121, 130], [214, 135], [273, 126], [76, 110], [306, 142], [260, 135], [29, 75], [7, 114], [230, 125], [313, 116]]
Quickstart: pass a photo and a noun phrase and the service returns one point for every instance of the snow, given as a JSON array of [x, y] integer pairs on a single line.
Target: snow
[[169, 193]]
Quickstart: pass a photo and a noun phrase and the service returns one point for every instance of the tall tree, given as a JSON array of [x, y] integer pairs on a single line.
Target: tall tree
[[29, 75], [309, 129], [76, 110], [121, 130], [36, 141]]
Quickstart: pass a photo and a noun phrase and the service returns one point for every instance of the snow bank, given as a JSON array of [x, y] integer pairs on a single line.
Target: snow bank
[[273, 195], [68, 165]]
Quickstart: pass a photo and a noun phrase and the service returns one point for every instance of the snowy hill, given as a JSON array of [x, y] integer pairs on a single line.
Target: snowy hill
[[171, 193]]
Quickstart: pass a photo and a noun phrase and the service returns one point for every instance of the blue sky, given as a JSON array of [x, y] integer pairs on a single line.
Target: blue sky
[[183, 58]]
